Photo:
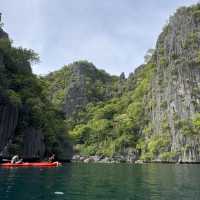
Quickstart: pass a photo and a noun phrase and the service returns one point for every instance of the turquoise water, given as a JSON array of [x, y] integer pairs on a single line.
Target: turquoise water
[[102, 181]]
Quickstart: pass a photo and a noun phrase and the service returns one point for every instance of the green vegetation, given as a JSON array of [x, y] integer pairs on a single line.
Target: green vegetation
[[190, 127], [14, 97], [111, 126], [55, 86], [168, 156], [164, 105], [163, 61], [191, 40], [152, 147], [27, 93], [197, 60], [96, 85]]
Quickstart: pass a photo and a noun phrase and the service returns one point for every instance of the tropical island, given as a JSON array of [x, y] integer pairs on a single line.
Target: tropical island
[[83, 113]]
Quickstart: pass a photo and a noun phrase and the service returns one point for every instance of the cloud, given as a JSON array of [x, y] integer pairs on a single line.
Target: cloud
[[113, 34]]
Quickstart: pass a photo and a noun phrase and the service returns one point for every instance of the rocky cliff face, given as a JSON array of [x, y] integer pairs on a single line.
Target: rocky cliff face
[[8, 122], [1, 62], [34, 145], [33, 141], [175, 88], [29, 124], [76, 96], [8, 113], [81, 88], [80, 83]]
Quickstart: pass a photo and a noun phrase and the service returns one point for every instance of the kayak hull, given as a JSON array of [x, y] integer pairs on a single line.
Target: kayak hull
[[34, 164]]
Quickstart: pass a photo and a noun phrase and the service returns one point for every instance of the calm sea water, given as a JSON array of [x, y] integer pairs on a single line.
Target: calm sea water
[[102, 181]]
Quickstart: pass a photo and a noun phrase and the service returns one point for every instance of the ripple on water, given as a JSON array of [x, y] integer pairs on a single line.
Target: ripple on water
[[100, 181]]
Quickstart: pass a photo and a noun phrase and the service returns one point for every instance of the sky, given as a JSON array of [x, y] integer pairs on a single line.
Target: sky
[[112, 34]]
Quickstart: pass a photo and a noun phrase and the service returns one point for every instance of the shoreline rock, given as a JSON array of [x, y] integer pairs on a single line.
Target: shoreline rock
[[121, 159]]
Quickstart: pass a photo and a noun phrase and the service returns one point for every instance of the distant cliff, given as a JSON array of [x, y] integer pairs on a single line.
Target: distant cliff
[[76, 85]]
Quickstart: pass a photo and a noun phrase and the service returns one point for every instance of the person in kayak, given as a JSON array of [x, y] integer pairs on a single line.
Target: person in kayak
[[51, 158], [15, 160]]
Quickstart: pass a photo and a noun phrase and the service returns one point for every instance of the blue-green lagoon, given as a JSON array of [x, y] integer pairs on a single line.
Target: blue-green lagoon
[[78, 181]]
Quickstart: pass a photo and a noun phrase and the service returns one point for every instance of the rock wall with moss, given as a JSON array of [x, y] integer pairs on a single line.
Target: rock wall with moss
[[173, 131], [112, 125], [78, 84], [30, 125]]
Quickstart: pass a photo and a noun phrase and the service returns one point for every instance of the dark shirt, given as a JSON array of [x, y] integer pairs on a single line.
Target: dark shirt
[[1, 159]]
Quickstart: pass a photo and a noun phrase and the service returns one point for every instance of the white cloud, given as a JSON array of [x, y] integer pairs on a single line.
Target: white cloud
[[113, 34]]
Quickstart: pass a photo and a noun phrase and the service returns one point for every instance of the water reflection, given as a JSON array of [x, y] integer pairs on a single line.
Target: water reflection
[[32, 183], [102, 181]]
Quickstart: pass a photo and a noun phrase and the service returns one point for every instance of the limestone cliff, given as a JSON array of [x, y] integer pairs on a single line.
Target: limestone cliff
[[29, 124], [80, 83], [86, 84], [8, 122], [8, 112], [174, 95]]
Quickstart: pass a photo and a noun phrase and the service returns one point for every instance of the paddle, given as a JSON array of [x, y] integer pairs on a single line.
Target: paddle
[[6, 160]]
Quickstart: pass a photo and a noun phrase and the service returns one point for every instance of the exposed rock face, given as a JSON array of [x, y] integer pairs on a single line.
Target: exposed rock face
[[67, 152], [34, 145], [76, 93], [175, 89], [1, 61], [8, 113], [21, 126], [8, 122], [84, 85]]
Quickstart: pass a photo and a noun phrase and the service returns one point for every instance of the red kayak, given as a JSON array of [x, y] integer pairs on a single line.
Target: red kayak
[[33, 164]]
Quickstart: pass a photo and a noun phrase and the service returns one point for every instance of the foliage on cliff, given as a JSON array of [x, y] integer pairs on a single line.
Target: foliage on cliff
[[82, 83], [110, 127], [25, 91]]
